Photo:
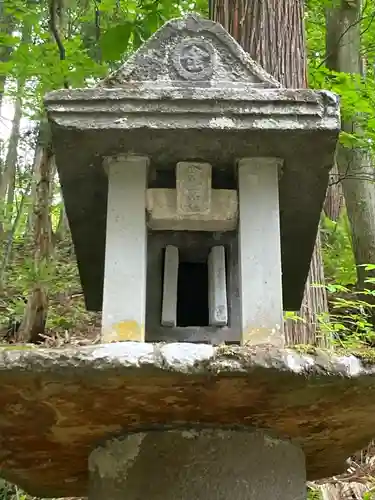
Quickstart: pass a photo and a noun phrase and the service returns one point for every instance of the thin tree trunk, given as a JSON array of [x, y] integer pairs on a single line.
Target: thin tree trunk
[[7, 175], [7, 181], [272, 31], [32, 199], [334, 201], [6, 27], [35, 316], [10, 238], [355, 166], [62, 225]]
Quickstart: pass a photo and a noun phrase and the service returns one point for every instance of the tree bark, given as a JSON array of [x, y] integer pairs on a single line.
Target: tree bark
[[272, 31], [32, 198], [35, 316], [356, 171], [7, 180], [334, 201], [8, 244], [62, 225], [6, 27], [8, 173]]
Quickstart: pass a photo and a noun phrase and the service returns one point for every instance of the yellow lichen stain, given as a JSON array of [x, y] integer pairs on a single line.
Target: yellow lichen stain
[[269, 336], [78, 433], [124, 331]]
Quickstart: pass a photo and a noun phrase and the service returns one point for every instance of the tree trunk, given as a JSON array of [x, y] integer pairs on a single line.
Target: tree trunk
[[354, 166], [8, 173], [6, 27], [62, 225], [38, 153], [8, 244], [35, 316], [272, 31], [334, 201], [7, 180]]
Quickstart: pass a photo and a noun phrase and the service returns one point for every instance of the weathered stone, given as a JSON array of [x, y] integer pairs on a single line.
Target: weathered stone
[[199, 464], [58, 405], [217, 287], [169, 304], [191, 93], [259, 252], [193, 205], [193, 188], [124, 309]]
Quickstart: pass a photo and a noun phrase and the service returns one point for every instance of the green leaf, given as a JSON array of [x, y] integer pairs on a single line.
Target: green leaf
[[114, 42]]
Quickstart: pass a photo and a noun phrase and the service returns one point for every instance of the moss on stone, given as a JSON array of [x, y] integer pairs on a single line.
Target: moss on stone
[[17, 347], [366, 354]]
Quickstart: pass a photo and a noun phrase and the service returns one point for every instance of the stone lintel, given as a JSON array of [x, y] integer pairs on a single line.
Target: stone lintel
[[58, 404], [163, 213], [203, 464], [193, 205], [124, 291], [260, 252]]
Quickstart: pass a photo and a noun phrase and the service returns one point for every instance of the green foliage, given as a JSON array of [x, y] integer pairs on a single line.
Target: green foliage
[[369, 495], [356, 92], [314, 494], [339, 264], [351, 319]]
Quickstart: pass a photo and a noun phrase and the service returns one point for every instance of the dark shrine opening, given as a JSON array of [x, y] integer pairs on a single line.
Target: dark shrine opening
[[192, 294]]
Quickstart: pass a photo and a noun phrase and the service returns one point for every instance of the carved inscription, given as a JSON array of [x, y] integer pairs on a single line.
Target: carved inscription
[[193, 59], [193, 182]]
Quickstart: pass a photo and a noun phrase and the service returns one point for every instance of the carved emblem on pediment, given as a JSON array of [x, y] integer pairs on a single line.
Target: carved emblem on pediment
[[191, 49], [194, 59]]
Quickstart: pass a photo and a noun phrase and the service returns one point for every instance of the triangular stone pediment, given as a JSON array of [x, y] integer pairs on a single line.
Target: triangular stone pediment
[[191, 50]]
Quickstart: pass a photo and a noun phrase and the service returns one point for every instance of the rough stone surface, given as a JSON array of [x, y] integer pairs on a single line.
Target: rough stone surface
[[192, 247], [170, 283], [163, 214], [193, 188], [193, 205], [260, 272], [208, 464], [163, 58], [124, 307], [217, 287], [58, 405], [191, 93]]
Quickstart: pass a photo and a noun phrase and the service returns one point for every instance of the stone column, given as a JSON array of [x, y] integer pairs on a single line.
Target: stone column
[[259, 251], [197, 464], [124, 294]]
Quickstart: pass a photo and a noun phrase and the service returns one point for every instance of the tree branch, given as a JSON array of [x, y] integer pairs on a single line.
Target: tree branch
[[53, 5]]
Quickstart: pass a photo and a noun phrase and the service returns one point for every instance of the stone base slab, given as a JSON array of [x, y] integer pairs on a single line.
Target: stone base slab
[[57, 405]]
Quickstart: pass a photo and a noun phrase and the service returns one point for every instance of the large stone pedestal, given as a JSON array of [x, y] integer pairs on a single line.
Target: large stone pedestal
[[209, 464]]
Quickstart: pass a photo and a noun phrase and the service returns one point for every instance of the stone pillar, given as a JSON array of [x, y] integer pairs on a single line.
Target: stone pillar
[[124, 293], [217, 287], [170, 282], [259, 251], [197, 464]]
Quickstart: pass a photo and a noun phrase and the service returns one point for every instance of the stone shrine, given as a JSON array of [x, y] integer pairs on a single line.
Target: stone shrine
[[178, 172], [193, 184]]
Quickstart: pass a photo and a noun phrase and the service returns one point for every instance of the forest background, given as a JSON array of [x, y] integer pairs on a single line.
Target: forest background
[[53, 44]]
